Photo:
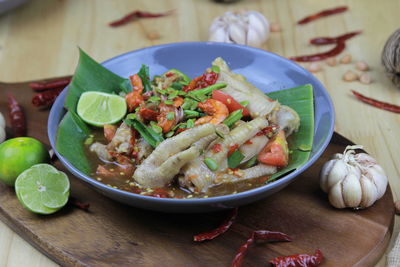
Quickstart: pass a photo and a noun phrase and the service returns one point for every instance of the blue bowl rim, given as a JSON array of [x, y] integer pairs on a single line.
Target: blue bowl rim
[[209, 200]]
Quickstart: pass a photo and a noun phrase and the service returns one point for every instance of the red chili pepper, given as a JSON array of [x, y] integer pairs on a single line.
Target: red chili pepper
[[377, 103], [298, 260], [257, 235], [136, 15], [203, 81], [169, 74], [80, 205], [249, 142], [226, 224], [323, 13], [46, 98], [41, 86], [180, 130], [148, 114], [216, 148], [340, 46], [333, 40], [17, 117], [160, 193]]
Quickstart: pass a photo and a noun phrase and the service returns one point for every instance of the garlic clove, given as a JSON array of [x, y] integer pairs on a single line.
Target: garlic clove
[[259, 26], [216, 25], [365, 159], [2, 121], [351, 190], [253, 38], [218, 35], [326, 169], [336, 197], [369, 192], [237, 33], [378, 176], [2, 135], [337, 173], [337, 156]]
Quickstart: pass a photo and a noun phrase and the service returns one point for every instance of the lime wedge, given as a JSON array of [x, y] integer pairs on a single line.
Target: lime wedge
[[98, 109], [42, 189]]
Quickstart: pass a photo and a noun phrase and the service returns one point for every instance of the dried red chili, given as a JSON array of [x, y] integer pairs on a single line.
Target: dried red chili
[[136, 15], [42, 86], [203, 81], [216, 148], [340, 46], [226, 224], [333, 40], [46, 98], [257, 235], [17, 117], [323, 13], [377, 103], [80, 205], [298, 260]]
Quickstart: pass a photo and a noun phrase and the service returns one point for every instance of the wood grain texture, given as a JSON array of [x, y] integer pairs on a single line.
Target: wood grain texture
[[40, 39]]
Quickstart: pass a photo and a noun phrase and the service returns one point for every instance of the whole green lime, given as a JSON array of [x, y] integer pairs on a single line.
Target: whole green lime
[[19, 154]]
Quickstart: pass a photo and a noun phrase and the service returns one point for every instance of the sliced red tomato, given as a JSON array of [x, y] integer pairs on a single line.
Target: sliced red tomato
[[230, 102], [276, 152]]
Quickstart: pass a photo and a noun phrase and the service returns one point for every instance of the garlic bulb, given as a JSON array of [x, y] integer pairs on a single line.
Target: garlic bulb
[[245, 27], [2, 128], [353, 180]]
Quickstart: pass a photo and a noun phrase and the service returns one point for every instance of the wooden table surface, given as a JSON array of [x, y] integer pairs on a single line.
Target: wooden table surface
[[40, 40]]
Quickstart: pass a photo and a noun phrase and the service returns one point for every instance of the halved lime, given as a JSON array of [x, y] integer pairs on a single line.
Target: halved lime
[[42, 189], [98, 109]]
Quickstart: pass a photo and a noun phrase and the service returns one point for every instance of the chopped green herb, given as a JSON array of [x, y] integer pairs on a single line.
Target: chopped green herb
[[173, 95], [235, 159], [168, 102], [233, 117], [154, 99], [170, 116], [208, 89], [184, 78], [156, 128], [191, 114], [215, 69], [211, 164], [145, 77], [169, 134], [182, 93], [131, 116], [244, 103], [148, 134], [177, 86], [190, 123], [89, 141], [251, 162], [162, 91]]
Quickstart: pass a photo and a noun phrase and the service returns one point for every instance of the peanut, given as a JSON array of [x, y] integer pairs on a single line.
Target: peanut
[[362, 66], [365, 78], [314, 67], [346, 59], [275, 27], [350, 76], [331, 61]]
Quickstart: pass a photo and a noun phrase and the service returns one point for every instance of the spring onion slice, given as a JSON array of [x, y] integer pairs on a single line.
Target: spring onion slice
[[233, 117], [148, 134], [235, 159], [211, 164]]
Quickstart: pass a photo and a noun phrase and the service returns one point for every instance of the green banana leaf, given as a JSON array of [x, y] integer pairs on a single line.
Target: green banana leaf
[[71, 134], [89, 76], [301, 99]]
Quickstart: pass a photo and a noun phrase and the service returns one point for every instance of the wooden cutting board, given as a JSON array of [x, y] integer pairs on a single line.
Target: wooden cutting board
[[112, 234]]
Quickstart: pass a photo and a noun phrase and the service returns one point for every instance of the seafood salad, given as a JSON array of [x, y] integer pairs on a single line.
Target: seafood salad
[[216, 134]]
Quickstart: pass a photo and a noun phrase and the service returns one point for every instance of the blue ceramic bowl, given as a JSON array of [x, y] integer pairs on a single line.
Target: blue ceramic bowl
[[267, 71]]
